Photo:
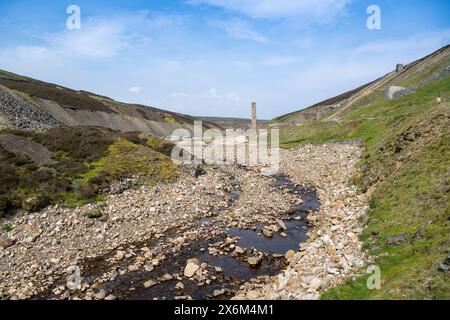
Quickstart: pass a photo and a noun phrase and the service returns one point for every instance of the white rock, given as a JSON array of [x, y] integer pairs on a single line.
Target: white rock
[[150, 283], [179, 286], [192, 266], [238, 250], [217, 293]]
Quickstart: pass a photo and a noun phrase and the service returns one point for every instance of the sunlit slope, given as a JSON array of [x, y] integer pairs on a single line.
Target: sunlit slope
[[417, 73], [407, 163]]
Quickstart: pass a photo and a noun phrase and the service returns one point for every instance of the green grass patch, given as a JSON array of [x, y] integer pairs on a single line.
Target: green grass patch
[[127, 159], [408, 146], [159, 145], [7, 227], [85, 161], [413, 202], [170, 120], [96, 213]]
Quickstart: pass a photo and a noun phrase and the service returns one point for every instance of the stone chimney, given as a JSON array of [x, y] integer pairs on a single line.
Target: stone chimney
[[254, 123], [399, 68]]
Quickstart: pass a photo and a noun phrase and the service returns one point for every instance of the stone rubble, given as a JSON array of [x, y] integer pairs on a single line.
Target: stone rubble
[[36, 254], [21, 114], [333, 252], [42, 246]]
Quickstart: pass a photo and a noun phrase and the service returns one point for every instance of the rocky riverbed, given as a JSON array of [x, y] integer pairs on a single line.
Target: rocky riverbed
[[216, 233], [333, 251]]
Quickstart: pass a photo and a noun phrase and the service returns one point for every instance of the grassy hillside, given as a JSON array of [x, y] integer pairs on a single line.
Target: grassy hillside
[[33, 91], [414, 75], [83, 162], [408, 160], [319, 107], [63, 96]]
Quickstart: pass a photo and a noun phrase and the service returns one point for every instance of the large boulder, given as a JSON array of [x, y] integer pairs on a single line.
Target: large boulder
[[395, 92]]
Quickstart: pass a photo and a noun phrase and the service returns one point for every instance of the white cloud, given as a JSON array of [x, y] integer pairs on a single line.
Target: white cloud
[[212, 94], [157, 20], [179, 95], [416, 42], [333, 73], [240, 29], [306, 42], [233, 97], [136, 89], [311, 10], [34, 61], [97, 39]]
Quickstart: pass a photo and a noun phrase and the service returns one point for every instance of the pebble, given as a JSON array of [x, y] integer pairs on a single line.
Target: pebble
[[289, 254], [254, 261], [150, 283], [217, 293], [179, 286], [192, 266]]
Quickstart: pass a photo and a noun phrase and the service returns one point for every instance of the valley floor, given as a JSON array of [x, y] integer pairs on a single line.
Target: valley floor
[[182, 240]]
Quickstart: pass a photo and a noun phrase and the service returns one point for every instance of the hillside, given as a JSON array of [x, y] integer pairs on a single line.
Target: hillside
[[412, 76], [405, 169], [73, 166], [31, 104], [68, 147]]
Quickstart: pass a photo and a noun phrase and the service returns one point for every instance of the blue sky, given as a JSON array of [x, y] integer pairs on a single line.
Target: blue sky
[[214, 57]]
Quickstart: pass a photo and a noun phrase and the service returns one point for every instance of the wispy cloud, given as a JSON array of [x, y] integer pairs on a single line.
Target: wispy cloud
[[212, 94], [310, 10], [233, 97], [240, 29], [136, 89], [217, 61], [98, 38], [419, 41], [179, 95]]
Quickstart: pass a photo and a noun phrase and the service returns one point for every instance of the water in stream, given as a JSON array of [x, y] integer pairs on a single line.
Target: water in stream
[[235, 270], [295, 221]]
